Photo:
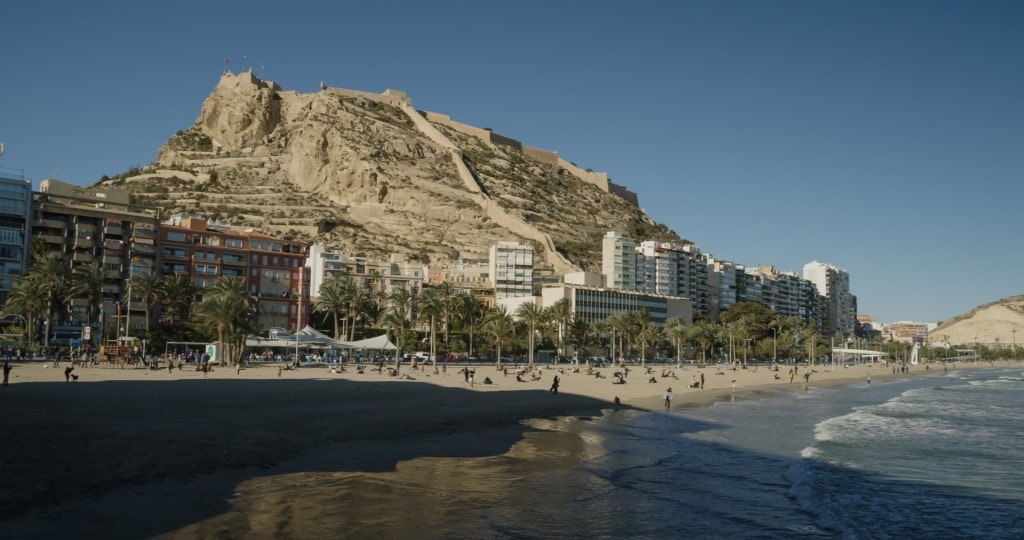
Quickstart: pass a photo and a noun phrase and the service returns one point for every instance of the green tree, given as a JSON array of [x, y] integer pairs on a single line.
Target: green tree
[[50, 271], [679, 332], [430, 307], [147, 287], [705, 333], [178, 294], [226, 307], [532, 315], [87, 281], [28, 298], [470, 312], [560, 312], [581, 335], [500, 326]]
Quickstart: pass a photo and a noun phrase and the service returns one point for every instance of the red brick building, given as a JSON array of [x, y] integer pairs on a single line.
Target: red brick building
[[274, 269]]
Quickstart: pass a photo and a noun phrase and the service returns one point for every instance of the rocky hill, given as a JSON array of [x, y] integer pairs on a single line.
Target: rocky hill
[[992, 324], [368, 174]]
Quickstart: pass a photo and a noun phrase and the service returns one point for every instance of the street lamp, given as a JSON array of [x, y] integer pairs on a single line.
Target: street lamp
[[775, 345]]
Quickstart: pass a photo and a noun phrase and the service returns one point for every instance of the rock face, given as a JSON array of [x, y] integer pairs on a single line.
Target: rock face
[[990, 324], [368, 174]]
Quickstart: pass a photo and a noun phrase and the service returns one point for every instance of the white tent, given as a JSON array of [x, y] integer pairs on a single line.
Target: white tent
[[310, 337]]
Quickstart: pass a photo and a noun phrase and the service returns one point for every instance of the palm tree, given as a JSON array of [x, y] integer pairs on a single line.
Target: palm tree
[[396, 316], [532, 315], [28, 297], [470, 311], [678, 331], [87, 280], [449, 304], [498, 323], [146, 286], [621, 324], [649, 334], [430, 308], [178, 293], [50, 271], [560, 313], [705, 332], [226, 306], [581, 334]]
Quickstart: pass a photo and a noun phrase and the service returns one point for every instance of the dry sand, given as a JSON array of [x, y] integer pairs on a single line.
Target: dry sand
[[134, 452]]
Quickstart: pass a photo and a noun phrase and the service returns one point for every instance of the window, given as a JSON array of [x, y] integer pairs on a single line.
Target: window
[[234, 257], [174, 268], [175, 237], [234, 243], [175, 252]]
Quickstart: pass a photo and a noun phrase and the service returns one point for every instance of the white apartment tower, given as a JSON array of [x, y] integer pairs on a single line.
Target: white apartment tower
[[618, 261], [840, 307], [511, 269]]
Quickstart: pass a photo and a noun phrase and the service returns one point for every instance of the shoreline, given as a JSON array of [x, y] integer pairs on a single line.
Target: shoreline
[[97, 456]]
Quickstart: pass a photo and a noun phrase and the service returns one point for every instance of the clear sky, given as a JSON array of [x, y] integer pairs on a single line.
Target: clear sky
[[884, 137]]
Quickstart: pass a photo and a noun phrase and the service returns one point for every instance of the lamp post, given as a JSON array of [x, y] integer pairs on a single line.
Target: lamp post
[[775, 345]]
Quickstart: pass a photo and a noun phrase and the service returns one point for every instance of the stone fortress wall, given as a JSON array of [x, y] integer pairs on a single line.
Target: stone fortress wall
[[398, 98], [548, 157]]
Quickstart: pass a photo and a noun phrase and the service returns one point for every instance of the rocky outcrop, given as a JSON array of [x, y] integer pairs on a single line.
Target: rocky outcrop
[[368, 174]]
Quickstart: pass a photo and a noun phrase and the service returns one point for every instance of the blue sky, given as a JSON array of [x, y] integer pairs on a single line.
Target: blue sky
[[886, 138]]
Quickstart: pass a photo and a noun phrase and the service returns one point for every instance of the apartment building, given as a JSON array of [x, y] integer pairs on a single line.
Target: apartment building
[[99, 226], [274, 269], [618, 261], [383, 276], [15, 216], [511, 269], [839, 306]]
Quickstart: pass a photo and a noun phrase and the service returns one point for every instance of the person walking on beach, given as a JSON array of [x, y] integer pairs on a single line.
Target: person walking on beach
[[702, 380], [668, 399], [791, 376], [554, 385], [67, 373], [7, 371], [279, 370]]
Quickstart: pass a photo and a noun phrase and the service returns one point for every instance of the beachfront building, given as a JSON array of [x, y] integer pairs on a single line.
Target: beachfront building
[[839, 306], [618, 261], [379, 276], [667, 268], [15, 213], [722, 285], [274, 269], [322, 265], [511, 269], [910, 331], [593, 304], [97, 226]]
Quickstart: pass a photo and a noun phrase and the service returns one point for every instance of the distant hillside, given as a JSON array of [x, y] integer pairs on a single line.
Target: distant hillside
[[990, 324], [368, 174]]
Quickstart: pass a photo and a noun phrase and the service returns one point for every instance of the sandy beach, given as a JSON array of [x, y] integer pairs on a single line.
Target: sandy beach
[[139, 453]]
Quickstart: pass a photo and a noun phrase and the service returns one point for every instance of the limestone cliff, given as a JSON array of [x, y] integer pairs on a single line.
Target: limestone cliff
[[368, 174]]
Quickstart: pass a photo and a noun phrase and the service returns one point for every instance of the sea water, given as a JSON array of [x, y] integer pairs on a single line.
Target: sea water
[[939, 456], [936, 456]]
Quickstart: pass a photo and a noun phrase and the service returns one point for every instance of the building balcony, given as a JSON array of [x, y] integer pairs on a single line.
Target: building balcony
[[144, 233], [83, 257], [113, 230], [52, 239], [49, 224], [84, 243]]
